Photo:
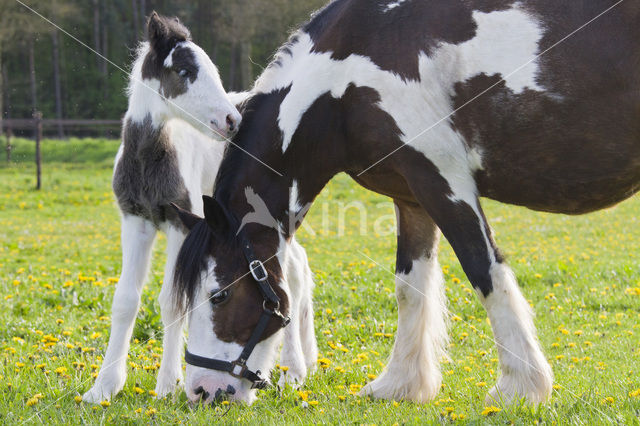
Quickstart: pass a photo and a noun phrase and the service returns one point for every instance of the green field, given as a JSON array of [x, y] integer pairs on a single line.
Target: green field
[[60, 261]]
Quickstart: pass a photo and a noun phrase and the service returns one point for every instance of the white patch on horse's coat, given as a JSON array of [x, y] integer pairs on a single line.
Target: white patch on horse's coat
[[413, 371], [505, 40], [393, 5], [294, 200], [525, 371]]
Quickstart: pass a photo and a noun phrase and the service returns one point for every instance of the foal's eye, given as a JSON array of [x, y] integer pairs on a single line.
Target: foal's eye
[[219, 297], [183, 73]]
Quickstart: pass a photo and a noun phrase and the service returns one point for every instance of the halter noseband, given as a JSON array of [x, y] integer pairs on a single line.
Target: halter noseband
[[270, 308]]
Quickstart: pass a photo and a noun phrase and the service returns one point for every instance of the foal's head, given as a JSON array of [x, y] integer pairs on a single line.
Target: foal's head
[[174, 78], [214, 287]]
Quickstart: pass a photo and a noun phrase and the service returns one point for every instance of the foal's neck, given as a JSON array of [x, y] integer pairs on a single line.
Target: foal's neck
[[146, 117]]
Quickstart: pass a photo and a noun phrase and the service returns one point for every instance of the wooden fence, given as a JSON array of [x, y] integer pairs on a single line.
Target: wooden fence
[[37, 123]]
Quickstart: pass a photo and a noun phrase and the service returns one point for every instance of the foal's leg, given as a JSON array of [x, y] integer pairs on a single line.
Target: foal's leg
[[307, 331], [137, 240], [525, 371], [413, 371], [170, 373], [293, 355]]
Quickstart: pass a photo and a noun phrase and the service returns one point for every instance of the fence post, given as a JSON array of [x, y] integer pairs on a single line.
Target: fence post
[[38, 123], [8, 134]]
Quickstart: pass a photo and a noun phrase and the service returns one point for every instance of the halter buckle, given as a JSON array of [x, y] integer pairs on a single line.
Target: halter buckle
[[238, 364], [258, 271]]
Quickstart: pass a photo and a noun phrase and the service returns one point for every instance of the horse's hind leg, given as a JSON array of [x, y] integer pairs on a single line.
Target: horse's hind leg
[[525, 371], [413, 371], [137, 240], [170, 372]]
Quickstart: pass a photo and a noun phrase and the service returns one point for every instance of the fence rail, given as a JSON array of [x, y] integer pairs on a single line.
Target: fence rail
[[30, 123], [37, 123]]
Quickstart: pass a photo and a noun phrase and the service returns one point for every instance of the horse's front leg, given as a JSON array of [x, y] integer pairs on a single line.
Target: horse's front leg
[[170, 373], [525, 371], [413, 371], [137, 240]]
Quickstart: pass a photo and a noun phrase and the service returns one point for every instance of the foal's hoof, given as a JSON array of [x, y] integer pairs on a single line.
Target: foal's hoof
[[167, 385], [291, 378], [97, 394]]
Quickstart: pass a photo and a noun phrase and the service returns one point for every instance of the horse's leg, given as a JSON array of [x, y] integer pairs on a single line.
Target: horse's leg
[[525, 371], [307, 331], [137, 240], [170, 373], [293, 355], [413, 371]]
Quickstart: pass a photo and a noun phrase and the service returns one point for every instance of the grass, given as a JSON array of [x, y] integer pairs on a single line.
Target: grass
[[60, 261]]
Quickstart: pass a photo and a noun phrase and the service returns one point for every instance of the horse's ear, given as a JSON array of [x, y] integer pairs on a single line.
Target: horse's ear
[[156, 29], [214, 214], [187, 218]]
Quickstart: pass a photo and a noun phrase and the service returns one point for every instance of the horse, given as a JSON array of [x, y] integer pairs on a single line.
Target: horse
[[172, 143], [433, 103]]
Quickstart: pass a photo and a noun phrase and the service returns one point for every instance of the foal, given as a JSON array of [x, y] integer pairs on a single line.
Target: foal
[[176, 99]]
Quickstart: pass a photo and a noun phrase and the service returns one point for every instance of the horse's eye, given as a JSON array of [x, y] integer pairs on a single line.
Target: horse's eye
[[219, 297], [183, 73]]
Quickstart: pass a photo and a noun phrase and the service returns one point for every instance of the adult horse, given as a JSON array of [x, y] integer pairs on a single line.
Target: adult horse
[[433, 103], [171, 148]]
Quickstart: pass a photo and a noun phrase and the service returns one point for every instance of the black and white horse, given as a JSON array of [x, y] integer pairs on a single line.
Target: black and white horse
[[176, 105], [433, 103]]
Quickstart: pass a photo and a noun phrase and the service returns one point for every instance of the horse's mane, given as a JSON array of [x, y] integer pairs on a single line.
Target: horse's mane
[[190, 264]]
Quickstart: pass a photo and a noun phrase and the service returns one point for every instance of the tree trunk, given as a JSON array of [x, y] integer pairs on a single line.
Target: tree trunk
[[56, 81], [233, 67], [105, 41], [32, 77], [96, 30], [3, 86], [136, 22], [245, 65], [143, 13]]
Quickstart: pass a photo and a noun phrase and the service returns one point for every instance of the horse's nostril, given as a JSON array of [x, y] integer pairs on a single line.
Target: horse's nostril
[[203, 394], [231, 123], [231, 390], [219, 393]]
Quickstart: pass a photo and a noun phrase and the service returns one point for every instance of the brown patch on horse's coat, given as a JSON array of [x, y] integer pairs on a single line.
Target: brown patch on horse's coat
[[392, 40], [147, 177]]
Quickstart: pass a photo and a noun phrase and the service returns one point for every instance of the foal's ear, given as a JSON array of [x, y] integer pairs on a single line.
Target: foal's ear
[[187, 218], [214, 214], [157, 29]]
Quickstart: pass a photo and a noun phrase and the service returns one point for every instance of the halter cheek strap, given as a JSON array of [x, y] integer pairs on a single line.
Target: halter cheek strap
[[270, 308]]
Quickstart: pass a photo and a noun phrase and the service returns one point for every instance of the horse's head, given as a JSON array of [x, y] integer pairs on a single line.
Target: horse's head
[[233, 313], [186, 79]]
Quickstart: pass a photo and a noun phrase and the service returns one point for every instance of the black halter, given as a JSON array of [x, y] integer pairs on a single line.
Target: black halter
[[270, 308]]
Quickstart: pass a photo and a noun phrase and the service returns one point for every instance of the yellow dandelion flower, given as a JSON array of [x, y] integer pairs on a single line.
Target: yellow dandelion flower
[[490, 410], [105, 403]]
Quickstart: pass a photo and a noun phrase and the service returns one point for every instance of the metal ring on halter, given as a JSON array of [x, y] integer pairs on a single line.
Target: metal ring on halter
[[274, 310]]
